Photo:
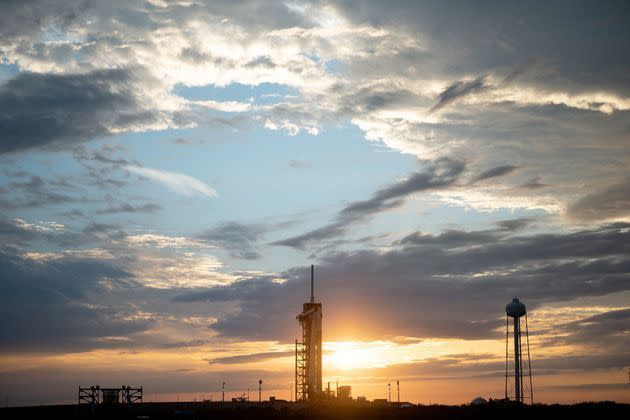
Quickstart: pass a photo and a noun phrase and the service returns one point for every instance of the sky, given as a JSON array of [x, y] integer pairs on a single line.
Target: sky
[[170, 169]]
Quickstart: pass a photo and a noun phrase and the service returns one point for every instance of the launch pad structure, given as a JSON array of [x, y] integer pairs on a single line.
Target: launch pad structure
[[308, 352]]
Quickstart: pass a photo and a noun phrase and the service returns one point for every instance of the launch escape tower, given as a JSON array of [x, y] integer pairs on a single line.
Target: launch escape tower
[[514, 366], [308, 352]]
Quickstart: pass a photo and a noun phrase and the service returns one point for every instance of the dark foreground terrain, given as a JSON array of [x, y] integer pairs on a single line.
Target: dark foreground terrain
[[364, 411]]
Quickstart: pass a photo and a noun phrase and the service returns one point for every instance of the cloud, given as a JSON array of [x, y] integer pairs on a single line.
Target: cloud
[[454, 284], [439, 174], [458, 90], [129, 208], [250, 358], [225, 106], [534, 184], [239, 239], [176, 182], [33, 193], [58, 110], [185, 344], [495, 172], [612, 202], [389, 68], [610, 330], [45, 303], [514, 224], [300, 164], [99, 228]]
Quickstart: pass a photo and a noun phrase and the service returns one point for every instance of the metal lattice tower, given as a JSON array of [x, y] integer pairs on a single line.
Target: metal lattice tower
[[308, 352], [517, 365]]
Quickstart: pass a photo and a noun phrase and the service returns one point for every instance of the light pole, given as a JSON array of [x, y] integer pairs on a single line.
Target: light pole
[[398, 389], [223, 392], [389, 393], [260, 390]]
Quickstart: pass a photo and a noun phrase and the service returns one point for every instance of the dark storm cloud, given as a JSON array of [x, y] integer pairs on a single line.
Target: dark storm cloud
[[45, 304], [458, 90], [439, 174], [51, 110], [495, 172], [237, 238], [609, 203], [454, 284]]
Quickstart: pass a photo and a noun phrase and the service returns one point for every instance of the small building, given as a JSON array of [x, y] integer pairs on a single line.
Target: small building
[[479, 401], [344, 392]]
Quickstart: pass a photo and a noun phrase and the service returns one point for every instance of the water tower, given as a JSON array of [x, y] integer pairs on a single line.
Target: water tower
[[514, 365]]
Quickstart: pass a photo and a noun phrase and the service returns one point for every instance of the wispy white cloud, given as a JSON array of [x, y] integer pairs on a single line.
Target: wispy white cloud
[[225, 106], [176, 182]]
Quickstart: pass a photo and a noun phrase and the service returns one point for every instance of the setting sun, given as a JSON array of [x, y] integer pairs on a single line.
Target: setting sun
[[347, 357], [356, 355]]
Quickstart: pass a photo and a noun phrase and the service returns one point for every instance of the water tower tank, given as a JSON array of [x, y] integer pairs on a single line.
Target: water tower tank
[[515, 309]]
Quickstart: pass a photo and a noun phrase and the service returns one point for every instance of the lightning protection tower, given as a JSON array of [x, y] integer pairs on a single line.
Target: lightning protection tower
[[308, 352], [514, 366]]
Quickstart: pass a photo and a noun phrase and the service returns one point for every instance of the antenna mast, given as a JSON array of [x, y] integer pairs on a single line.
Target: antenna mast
[[312, 283]]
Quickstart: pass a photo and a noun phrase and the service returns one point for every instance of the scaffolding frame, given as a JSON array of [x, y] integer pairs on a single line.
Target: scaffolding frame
[[93, 395], [301, 374]]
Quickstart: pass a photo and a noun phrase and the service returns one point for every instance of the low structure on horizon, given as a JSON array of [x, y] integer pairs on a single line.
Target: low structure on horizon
[[96, 395]]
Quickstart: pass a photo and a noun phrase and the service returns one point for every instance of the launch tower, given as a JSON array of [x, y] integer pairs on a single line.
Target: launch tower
[[308, 352]]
